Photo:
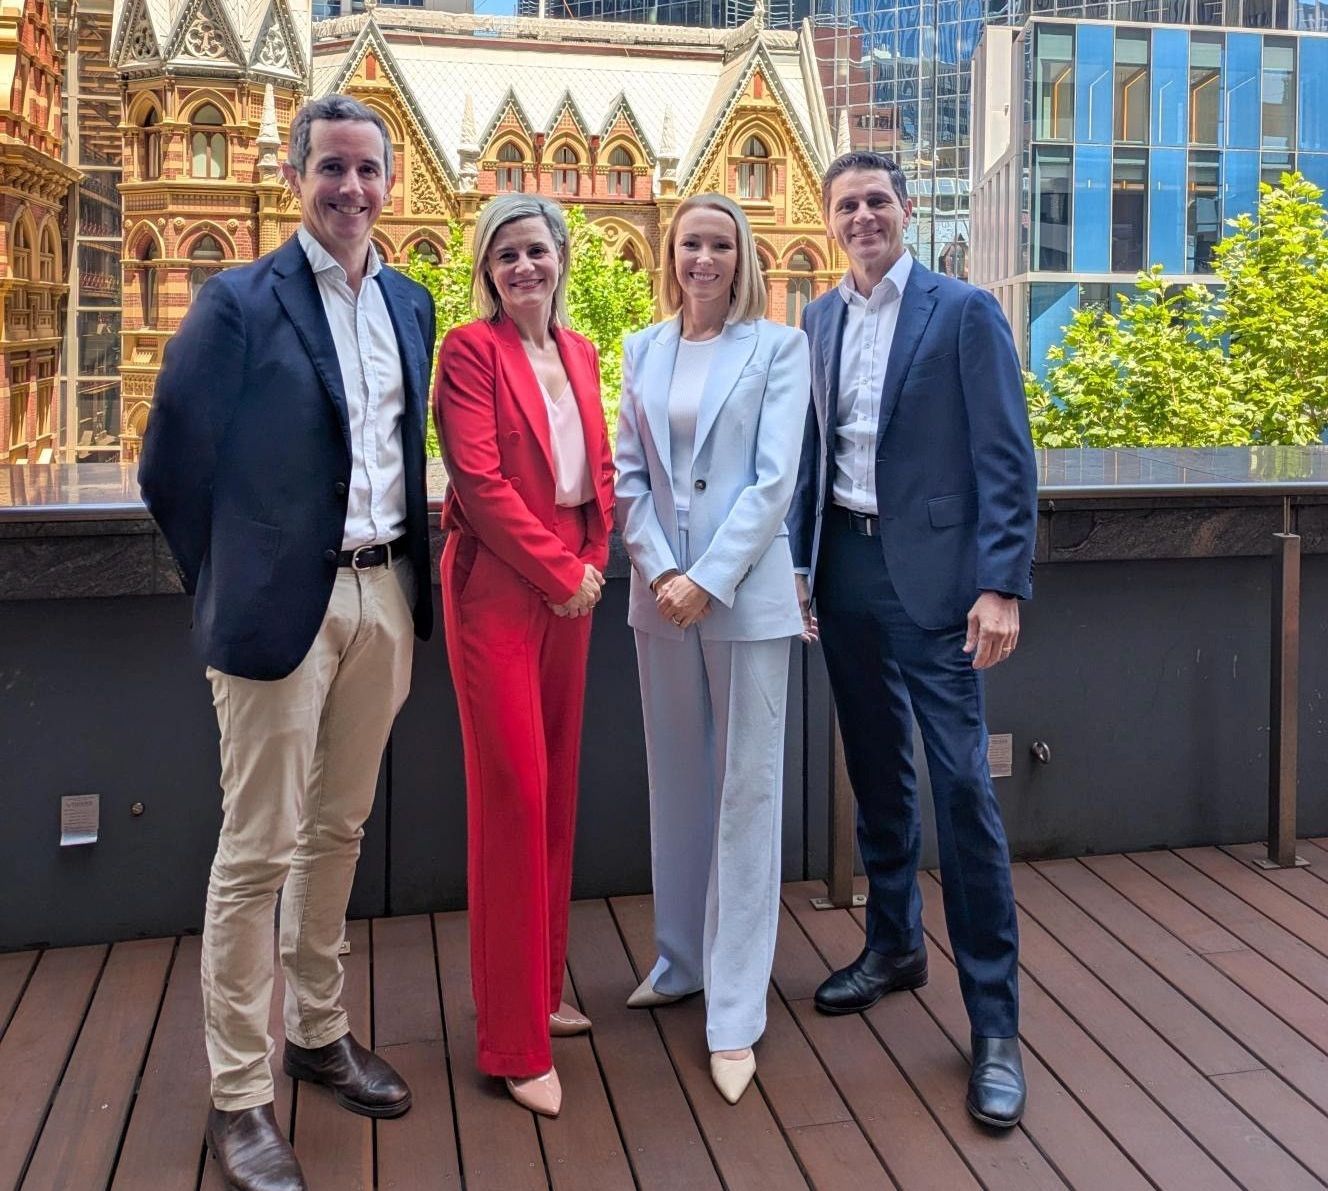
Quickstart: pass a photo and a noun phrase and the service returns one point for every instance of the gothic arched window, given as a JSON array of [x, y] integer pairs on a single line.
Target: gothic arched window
[[754, 169], [620, 172], [566, 175], [511, 171], [207, 143]]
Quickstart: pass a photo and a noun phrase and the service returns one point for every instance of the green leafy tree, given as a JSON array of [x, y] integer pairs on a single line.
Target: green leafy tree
[[1247, 364], [606, 299]]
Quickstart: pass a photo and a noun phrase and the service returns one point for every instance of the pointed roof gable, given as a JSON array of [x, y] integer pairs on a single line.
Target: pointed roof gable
[[239, 35], [276, 47], [205, 36]]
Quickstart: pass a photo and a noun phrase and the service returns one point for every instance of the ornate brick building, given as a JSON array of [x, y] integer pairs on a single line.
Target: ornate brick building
[[34, 183], [626, 120]]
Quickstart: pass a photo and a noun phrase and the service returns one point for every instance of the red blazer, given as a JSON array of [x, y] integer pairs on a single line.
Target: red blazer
[[494, 430]]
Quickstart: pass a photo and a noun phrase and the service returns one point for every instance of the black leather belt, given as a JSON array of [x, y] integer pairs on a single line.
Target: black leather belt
[[362, 558], [866, 524]]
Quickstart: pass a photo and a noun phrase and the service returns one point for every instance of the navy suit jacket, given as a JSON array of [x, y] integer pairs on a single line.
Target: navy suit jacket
[[246, 459], [956, 480]]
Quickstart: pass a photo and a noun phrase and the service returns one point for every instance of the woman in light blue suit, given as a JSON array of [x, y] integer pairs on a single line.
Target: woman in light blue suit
[[713, 406]]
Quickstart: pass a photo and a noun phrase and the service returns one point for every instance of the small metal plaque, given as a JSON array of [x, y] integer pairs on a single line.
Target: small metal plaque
[[80, 819], [1000, 754], [824, 903]]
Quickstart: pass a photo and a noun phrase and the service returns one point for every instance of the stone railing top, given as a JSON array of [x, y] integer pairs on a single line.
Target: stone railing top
[[109, 491]]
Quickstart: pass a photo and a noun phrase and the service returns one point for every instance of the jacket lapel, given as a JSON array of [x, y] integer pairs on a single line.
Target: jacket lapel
[[297, 291], [737, 342], [656, 377], [915, 306], [831, 340], [523, 383]]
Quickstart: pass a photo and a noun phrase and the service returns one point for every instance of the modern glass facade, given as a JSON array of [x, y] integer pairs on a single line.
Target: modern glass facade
[[900, 71], [1134, 147], [701, 14]]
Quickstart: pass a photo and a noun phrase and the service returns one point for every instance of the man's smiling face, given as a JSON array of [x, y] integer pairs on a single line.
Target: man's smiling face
[[343, 187], [867, 218]]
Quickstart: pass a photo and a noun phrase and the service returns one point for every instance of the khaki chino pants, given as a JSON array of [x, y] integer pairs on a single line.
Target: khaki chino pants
[[299, 763]]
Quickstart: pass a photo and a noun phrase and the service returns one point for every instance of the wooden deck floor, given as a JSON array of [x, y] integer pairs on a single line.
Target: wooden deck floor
[[1175, 1029]]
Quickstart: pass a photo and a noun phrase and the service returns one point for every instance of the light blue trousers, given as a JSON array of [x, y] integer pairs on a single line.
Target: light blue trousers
[[714, 721]]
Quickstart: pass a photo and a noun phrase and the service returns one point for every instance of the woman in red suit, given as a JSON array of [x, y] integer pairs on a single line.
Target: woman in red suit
[[527, 512]]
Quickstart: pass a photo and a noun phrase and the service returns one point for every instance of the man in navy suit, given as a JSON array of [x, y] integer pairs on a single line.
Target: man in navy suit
[[913, 526], [284, 463]]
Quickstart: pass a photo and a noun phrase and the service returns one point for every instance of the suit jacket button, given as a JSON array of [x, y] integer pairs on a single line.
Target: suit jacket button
[[699, 485], [330, 555], [514, 436], [341, 488], [516, 481]]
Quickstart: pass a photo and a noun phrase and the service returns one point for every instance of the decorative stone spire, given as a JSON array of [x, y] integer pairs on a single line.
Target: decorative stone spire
[[668, 153], [842, 144], [468, 151], [269, 140], [758, 14]]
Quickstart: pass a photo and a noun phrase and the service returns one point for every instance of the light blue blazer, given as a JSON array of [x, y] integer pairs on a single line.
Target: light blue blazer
[[744, 468]]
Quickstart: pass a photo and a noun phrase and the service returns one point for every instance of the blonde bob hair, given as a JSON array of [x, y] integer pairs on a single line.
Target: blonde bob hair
[[496, 214], [747, 297]]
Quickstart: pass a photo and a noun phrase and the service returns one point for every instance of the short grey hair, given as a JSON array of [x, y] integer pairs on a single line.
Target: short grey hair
[[865, 159], [496, 214], [332, 107]]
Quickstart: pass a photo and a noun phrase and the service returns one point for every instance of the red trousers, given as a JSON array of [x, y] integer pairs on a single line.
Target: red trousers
[[520, 678]]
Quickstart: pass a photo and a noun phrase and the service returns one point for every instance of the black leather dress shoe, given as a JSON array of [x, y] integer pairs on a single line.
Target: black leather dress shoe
[[254, 1155], [996, 1089], [361, 1081], [868, 978]]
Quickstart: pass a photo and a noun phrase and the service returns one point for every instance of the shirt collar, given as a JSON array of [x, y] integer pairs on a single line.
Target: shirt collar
[[321, 261], [889, 288]]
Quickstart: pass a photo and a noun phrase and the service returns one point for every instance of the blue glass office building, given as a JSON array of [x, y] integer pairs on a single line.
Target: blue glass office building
[[901, 73], [1130, 146]]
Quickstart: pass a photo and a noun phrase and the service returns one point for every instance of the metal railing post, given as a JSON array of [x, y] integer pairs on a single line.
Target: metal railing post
[[843, 818], [1284, 699]]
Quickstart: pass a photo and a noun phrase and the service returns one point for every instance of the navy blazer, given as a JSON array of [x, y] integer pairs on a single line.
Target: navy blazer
[[956, 479], [246, 458]]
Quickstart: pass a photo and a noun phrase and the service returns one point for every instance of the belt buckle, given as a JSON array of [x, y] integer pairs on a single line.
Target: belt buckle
[[355, 564]]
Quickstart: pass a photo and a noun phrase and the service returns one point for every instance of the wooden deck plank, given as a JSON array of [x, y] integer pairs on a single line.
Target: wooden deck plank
[[334, 1146], [79, 1141], [1265, 1035], [1301, 883], [1255, 889], [1301, 1127], [1200, 933], [583, 1149], [745, 1140], [1209, 1047], [1239, 1146], [935, 1068], [1258, 932], [163, 1144], [37, 1044], [15, 968], [1289, 999], [836, 1157], [500, 1147], [418, 1150], [659, 1133], [884, 1103], [1081, 1150]]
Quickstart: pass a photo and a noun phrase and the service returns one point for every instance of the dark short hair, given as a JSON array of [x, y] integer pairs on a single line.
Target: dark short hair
[[865, 159], [332, 107]]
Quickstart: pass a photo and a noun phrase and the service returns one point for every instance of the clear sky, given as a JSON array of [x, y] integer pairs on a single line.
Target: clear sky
[[495, 8]]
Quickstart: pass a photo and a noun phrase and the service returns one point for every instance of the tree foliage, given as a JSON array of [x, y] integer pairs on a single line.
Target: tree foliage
[[606, 299], [1245, 363]]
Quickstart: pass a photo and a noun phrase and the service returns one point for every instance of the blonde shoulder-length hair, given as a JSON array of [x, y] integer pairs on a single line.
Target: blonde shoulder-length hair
[[496, 214], [747, 298]]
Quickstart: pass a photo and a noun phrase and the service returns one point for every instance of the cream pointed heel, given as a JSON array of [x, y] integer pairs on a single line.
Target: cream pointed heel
[[567, 1021], [543, 1094], [732, 1076], [645, 997]]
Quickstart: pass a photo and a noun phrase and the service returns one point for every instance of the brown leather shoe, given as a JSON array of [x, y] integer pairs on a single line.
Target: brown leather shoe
[[254, 1155], [360, 1080]]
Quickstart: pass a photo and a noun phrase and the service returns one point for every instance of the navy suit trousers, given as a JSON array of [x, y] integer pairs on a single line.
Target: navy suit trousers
[[883, 667]]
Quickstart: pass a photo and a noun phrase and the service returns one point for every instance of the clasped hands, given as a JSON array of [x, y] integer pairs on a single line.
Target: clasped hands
[[586, 597], [680, 600]]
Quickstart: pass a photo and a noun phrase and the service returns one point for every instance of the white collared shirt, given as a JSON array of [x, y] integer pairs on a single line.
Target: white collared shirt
[[869, 332], [375, 396]]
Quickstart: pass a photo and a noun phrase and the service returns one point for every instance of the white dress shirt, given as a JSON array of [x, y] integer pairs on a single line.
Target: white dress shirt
[[567, 445], [869, 332], [691, 367], [375, 396]]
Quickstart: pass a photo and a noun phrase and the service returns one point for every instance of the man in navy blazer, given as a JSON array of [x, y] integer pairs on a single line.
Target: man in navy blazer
[[914, 524], [284, 463]]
